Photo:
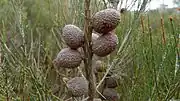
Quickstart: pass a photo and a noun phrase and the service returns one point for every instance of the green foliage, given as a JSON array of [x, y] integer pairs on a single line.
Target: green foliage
[[30, 38]]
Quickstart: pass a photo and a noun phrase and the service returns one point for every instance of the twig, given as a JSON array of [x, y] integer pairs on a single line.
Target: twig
[[79, 69], [88, 51]]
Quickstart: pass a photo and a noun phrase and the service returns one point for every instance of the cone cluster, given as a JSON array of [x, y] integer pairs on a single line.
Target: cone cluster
[[104, 22], [104, 42]]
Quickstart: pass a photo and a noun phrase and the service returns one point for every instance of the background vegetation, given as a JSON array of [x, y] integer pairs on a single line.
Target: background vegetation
[[146, 60]]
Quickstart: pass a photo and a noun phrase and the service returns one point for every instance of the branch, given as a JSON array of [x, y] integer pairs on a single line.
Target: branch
[[88, 51]]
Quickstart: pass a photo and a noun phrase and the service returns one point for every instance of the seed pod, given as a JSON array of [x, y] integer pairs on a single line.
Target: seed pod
[[68, 58], [111, 82], [110, 94], [77, 86], [73, 36], [105, 44], [105, 20]]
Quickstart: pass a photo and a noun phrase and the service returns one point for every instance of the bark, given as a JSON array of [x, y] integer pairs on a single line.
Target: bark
[[88, 51]]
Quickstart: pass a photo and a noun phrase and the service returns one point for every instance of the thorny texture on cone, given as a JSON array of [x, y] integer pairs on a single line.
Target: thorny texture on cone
[[77, 86], [105, 44], [106, 20], [68, 58], [73, 36]]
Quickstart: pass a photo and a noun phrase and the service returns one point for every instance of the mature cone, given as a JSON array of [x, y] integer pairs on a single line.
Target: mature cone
[[111, 82], [105, 44], [73, 36], [111, 94], [77, 86], [106, 20], [68, 58]]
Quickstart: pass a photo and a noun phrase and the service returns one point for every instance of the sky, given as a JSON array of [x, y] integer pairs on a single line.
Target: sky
[[153, 4], [156, 3]]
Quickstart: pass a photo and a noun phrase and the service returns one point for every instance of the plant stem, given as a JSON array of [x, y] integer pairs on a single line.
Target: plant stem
[[163, 31], [88, 51]]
